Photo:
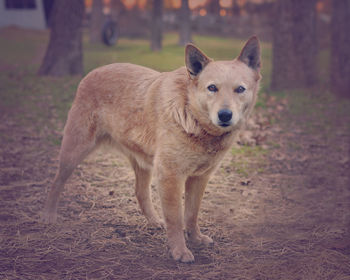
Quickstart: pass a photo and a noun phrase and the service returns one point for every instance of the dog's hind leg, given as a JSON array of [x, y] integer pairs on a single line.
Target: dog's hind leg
[[76, 145], [143, 193]]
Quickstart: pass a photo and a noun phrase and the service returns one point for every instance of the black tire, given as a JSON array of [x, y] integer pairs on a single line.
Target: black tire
[[110, 33]]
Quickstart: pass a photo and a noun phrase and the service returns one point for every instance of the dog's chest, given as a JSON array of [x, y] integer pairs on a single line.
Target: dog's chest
[[212, 145], [208, 153]]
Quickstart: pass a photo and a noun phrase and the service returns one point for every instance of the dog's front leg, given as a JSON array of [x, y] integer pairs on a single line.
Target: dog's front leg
[[194, 191], [171, 189]]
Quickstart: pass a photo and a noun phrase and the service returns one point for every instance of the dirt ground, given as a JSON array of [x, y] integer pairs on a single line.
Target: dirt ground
[[279, 211]]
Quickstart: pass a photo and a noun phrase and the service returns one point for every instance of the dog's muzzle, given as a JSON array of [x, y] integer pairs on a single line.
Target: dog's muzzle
[[225, 117]]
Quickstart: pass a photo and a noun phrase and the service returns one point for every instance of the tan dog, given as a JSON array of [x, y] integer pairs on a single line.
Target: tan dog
[[179, 123]]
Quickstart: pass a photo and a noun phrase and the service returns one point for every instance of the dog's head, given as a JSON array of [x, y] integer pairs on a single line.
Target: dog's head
[[223, 93]]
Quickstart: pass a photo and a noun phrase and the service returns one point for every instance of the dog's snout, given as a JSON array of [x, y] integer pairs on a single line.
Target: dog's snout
[[225, 115]]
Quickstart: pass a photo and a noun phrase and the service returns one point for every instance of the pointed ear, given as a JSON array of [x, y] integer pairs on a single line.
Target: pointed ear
[[250, 54], [195, 60]]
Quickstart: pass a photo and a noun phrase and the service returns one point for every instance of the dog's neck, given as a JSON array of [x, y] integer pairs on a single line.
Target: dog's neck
[[212, 144], [207, 135]]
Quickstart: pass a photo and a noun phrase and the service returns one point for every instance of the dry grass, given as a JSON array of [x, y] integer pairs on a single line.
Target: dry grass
[[268, 226]]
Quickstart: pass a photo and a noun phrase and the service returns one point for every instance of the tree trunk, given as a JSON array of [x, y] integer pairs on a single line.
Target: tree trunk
[[236, 10], [157, 25], [64, 52], [213, 7], [340, 48], [294, 45], [185, 24], [96, 21]]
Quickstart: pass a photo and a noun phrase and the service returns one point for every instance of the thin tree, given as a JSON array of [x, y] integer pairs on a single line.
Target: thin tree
[[157, 25], [294, 44], [96, 21], [64, 52], [340, 48], [185, 24]]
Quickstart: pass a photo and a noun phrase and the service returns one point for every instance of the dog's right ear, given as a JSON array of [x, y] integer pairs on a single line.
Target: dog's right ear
[[195, 60]]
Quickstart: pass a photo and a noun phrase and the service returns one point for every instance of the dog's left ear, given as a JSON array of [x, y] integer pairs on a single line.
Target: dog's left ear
[[250, 53], [195, 60]]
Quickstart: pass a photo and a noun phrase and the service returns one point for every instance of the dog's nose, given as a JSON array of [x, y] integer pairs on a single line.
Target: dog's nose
[[225, 115]]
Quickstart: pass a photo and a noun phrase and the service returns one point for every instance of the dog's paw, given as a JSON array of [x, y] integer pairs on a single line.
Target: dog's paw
[[200, 239], [48, 217], [156, 222], [182, 254]]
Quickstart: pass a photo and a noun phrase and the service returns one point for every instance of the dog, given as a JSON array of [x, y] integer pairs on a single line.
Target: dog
[[176, 124]]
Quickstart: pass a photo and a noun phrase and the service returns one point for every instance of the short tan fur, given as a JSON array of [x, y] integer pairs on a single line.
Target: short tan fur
[[177, 125]]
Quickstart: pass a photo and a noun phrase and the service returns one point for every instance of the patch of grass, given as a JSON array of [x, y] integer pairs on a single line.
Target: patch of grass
[[317, 109], [136, 51], [55, 140], [248, 151], [21, 47], [294, 146], [273, 145], [248, 159]]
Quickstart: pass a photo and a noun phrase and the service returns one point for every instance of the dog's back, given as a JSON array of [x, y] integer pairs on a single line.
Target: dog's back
[[110, 106]]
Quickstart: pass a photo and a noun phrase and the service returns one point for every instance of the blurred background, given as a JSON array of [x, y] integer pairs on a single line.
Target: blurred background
[[307, 37]]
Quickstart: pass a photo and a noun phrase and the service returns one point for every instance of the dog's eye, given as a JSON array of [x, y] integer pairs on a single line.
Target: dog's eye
[[212, 88], [240, 89]]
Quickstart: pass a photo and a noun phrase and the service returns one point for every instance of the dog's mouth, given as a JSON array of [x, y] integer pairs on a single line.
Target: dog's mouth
[[225, 124]]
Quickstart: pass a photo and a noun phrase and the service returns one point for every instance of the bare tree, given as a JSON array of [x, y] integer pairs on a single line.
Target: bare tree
[[294, 44], [64, 52], [96, 21], [340, 50], [157, 25], [185, 23]]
